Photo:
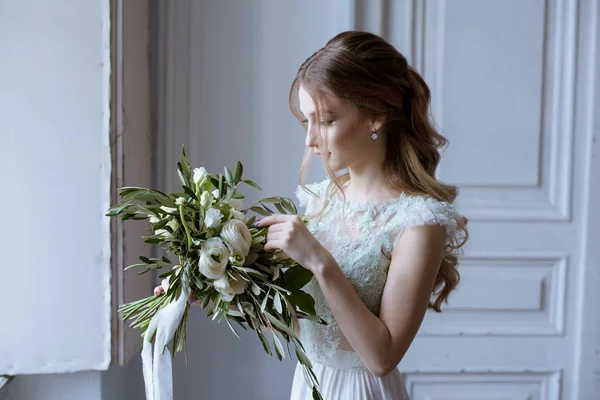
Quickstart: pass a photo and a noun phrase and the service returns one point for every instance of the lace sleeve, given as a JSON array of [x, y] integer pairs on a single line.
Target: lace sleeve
[[307, 200], [429, 212]]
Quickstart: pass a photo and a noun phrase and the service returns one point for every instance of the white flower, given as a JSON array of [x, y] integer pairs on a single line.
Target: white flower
[[215, 193], [213, 257], [236, 203], [212, 218], [229, 289], [236, 234], [236, 258], [168, 210], [181, 201], [199, 174], [153, 219], [235, 214], [206, 199], [239, 285], [165, 283]]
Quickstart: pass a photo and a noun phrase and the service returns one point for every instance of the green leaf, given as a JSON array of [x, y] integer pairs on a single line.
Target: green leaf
[[278, 324], [304, 301], [302, 357], [263, 305], [239, 170], [277, 303], [252, 183], [220, 187], [228, 176], [268, 209], [260, 211], [296, 277], [237, 195], [290, 206], [145, 260], [190, 192], [264, 342], [278, 347], [280, 208], [181, 177]]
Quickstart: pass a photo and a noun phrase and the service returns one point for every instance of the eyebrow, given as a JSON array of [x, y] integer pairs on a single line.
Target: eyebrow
[[328, 112]]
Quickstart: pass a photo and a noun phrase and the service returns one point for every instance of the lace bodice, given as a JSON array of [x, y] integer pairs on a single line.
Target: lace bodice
[[361, 237]]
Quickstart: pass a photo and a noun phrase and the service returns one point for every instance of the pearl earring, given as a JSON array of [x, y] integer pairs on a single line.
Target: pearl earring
[[374, 136]]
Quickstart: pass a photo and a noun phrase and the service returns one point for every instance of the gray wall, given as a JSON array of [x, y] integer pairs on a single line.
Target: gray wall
[[236, 71]]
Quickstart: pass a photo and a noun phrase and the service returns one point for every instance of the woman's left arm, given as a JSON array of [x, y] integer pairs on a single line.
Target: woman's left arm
[[382, 341]]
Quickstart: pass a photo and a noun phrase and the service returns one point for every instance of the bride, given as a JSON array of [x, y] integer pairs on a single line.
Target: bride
[[383, 237]]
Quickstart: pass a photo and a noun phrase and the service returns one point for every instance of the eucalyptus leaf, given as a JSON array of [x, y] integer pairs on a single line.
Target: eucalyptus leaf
[[277, 303], [252, 183], [228, 176], [264, 342], [260, 211], [278, 347], [239, 170]]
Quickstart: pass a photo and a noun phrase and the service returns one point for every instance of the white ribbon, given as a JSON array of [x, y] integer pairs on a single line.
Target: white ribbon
[[158, 372]]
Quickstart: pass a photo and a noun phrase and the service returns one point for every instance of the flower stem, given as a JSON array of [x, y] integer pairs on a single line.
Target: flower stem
[[187, 230]]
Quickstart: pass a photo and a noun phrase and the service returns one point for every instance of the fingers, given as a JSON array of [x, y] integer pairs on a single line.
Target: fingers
[[273, 245], [158, 290], [273, 219]]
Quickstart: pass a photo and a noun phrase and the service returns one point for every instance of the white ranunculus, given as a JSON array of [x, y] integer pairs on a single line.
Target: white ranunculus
[[236, 234], [236, 258], [206, 199], [213, 218], [235, 214], [180, 201], [213, 258], [230, 288], [238, 284], [236, 203], [199, 174]]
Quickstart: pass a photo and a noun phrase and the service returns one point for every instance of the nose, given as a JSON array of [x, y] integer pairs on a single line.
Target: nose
[[312, 139]]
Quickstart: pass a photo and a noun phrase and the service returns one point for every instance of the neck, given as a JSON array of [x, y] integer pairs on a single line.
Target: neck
[[367, 180]]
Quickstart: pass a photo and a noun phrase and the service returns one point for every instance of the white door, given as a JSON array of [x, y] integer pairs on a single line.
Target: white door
[[512, 90]]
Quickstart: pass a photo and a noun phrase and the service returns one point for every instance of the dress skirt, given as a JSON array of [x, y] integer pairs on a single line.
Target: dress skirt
[[349, 384]]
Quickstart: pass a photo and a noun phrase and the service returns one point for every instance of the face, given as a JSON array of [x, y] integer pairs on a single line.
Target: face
[[348, 139]]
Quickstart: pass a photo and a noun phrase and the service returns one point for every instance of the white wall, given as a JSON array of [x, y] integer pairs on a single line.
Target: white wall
[[241, 59], [55, 161]]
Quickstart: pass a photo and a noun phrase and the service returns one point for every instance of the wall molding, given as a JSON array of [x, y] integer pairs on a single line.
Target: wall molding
[[548, 320]]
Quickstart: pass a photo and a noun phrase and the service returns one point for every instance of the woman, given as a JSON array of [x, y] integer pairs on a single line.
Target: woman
[[383, 237]]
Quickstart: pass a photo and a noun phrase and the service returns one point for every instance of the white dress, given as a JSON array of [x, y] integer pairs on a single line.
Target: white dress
[[361, 237]]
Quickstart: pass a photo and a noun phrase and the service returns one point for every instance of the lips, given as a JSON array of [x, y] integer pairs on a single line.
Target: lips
[[319, 154]]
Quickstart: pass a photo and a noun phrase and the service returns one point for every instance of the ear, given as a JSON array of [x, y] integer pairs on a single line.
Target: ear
[[377, 124]]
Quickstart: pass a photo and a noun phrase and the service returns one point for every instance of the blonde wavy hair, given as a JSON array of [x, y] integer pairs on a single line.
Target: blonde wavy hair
[[372, 76]]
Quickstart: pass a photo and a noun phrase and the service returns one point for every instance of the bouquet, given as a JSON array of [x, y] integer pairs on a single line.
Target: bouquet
[[220, 264]]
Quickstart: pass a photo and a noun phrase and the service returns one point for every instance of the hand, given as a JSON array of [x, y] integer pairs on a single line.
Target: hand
[[288, 233], [159, 290]]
